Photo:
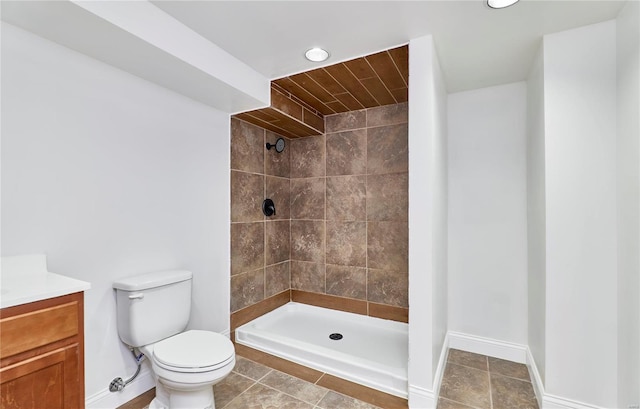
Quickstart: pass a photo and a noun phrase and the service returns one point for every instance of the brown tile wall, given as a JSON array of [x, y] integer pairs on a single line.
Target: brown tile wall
[[349, 208], [260, 246], [341, 226]]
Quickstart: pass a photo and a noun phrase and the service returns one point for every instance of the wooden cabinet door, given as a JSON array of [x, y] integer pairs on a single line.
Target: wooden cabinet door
[[50, 380]]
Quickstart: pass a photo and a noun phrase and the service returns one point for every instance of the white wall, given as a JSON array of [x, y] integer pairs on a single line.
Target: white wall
[[487, 213], [580, 178], [427, 221], [628, 176], [110, 176], [536, 220], [439, 215]]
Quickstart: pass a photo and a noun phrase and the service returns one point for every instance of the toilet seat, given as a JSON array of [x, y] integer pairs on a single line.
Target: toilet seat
[[194, 351]]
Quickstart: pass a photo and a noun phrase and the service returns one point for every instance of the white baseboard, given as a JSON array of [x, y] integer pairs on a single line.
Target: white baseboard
[[547, 401], [536, 380], [487, 346], [556, 402], [516, 353], [442, 362], [111, 400], [420, 398]]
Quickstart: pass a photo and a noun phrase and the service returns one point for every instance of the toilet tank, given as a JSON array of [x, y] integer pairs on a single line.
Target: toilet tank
[[153, 306]]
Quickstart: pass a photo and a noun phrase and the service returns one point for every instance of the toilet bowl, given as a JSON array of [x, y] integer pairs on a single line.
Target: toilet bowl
[[186, 366], [153, 311]]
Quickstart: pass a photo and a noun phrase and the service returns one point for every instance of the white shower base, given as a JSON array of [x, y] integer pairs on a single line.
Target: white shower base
[[373, 352]]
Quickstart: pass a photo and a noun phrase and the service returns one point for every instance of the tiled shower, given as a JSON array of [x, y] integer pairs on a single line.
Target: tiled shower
[[340, 232], [260, 248]]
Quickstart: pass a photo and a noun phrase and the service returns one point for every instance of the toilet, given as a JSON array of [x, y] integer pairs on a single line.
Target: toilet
[[152, 312]]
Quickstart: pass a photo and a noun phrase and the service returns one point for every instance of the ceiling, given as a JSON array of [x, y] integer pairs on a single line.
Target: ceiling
[[477, 46], [141, 39], [224, 53]]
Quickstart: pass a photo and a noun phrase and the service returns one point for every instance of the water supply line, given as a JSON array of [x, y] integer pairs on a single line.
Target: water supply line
[[118, 384]]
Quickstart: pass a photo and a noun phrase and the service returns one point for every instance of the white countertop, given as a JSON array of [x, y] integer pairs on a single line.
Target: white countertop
[[25, 279]]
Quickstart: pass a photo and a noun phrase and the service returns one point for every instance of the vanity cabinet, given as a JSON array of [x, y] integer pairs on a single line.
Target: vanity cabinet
[[42, 354]]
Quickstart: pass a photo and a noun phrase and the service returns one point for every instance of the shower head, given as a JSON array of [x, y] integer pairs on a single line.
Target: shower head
[[279, 145]]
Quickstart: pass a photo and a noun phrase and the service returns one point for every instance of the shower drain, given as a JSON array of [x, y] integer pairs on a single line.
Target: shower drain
[[335, 336]]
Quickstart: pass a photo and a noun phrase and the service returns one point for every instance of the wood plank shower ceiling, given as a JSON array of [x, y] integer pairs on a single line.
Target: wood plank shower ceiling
[[300, 102]]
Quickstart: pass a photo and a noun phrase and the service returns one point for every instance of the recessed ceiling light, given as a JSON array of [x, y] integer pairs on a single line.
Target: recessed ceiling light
[[500, 4], [316, 54]]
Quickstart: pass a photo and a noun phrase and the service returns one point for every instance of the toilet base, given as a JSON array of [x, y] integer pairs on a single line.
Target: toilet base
[[193, 399], [187, 390]]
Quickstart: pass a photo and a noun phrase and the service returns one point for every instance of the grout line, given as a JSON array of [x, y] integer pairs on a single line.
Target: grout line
[[465, 366], [366, 206], [395, 172], [240, 394], [267, 374], [276, 264], [306, 90], [293, 97], [490, 393], [285, 393], [247, 377], [347, 91], [403, 122], [326, 90], [509, 377], [455, 401], [363, 86], [325, 210], [316, 405], [272, 370], [393, 61], [264, 196], [247, 272], [323, 396], [384, 84]]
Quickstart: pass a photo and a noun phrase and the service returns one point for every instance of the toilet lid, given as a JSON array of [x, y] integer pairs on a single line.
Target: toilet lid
[[194, 349]]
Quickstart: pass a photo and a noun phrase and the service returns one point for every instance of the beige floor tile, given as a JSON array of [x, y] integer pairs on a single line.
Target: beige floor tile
[[229, 388], [263, 397], [468, 359], [508, 368], [252, 385], [449, 404], [334, 400], [250, 369], [362, 393], [510, 393], [303, 390], [466, 385]]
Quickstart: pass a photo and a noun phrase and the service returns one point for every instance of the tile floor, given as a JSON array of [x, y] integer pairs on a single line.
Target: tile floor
[[473, 381], [470, 381], [254, 386]]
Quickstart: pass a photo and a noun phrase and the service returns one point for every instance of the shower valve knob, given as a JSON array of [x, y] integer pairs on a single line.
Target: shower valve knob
[[268, 207]]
